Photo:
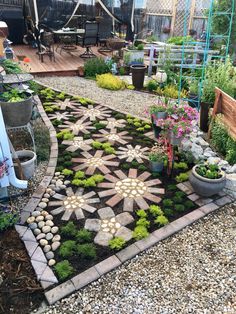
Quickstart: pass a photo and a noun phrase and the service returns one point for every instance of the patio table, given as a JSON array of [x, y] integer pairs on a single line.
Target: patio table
[[70, 33]]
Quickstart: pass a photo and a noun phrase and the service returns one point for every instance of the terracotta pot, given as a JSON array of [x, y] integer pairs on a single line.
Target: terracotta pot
[[204, 186]]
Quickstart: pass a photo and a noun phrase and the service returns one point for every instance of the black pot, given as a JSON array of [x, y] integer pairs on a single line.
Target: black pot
[[193, 100], [156, 129], [204, 112], [138, 74]]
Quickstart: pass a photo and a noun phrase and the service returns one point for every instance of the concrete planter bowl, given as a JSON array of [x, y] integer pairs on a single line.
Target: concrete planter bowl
[[204, 186], [17, 114]]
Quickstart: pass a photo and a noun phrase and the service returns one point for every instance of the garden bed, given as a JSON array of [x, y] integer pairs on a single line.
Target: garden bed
[[86, 215]]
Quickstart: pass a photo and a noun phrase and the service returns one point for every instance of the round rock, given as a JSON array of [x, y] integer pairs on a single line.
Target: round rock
[[51, 262], [30, 220], [39, 218], [36, 213], [49, 236], [46, 229], [41, 224], [40, 236], [54, 230], [42, 205], [56, 238], [47, 248], [46, 195], [49, 255], [33, 226], [49, 223], [43, 242], [44, 213], [49, 217], [55, 245], [37, 231]]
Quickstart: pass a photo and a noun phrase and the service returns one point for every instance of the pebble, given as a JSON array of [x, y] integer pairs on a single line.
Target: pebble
[[47, 248], [46, 229], [49, 255], [36, 213], [40, 236], [49, 236], [42, 205], [56, 238], [49, 223], [45, 200], [55, 245], [54, 230], [37, 231], [46, 195], [30, 220], [49, 217], [44, 213], [41, 224], [39, 218], [51, 262], [67, 182], [43, 242], [33, 226]]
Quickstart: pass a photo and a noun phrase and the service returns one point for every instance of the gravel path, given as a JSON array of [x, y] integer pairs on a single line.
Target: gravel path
[[191, 272], [132, 102]]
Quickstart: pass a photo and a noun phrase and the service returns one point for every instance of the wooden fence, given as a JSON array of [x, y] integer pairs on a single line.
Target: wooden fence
[[225, 105]]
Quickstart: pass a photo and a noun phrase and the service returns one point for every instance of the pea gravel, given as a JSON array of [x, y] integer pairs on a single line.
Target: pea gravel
[[133, 102], [190, 272]]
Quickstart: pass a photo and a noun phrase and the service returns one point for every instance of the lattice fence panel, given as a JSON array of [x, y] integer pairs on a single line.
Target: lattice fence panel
[[160, 7], [201, 7], [182, 17]]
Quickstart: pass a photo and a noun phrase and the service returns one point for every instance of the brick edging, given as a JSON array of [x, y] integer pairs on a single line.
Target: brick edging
[[38, 260]]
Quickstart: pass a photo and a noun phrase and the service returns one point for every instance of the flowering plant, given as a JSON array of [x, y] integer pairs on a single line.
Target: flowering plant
[[181, 128], [158, 153]]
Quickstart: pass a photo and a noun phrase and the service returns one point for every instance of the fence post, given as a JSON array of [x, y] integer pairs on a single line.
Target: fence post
[[151, 57]]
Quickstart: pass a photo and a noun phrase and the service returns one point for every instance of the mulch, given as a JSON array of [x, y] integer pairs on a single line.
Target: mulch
[[19, 290]]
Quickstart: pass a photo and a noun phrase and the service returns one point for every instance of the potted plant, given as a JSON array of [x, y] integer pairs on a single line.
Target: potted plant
[[159, 111], [138, 75], [16, 107], [27, 160], [207, 179], [134, 55], [157, 157]]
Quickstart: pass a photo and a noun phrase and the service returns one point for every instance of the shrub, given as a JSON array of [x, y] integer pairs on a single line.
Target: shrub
[[7, 219], [98, 178], [87, 136], [99, 125], [79, 175], [96, 66], [179, 194], [125, 166], [110, 81], [64, 269], [67, 157], [155, 210], [122, 71], [167, 203], [86, 251], [179, 207], [106, 145], [110, 150], [140, 232], [67, 163], [67, 172], [90, 182], [117, 243], [177, 199], [152, 85], [61, 96], [67, 248], [182, 177], [161, 220], [189, 204], [143, 222], [168, 212], [96, 145], [134, 163], [172, 187], [180, 166], [69, 229], [83, 235], [141, 213], [78, 182], [142, 167]]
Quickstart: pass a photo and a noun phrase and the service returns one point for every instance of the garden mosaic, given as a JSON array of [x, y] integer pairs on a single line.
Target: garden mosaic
[[78, 143], [130, 153], [112, 123], [93, 112], [77, 127], [113, 136], [67, 103]]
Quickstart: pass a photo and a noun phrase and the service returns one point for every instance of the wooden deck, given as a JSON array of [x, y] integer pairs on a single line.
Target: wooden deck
[[66, 63]]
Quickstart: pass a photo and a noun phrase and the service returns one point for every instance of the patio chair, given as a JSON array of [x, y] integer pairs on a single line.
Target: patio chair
[[47, 46], [89, 39]]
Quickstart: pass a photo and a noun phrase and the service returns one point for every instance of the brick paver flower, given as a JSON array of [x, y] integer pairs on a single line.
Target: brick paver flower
[[98, 161], [60, 116], [73, 203], [78, 143], [78, 126], [132, 189], [93, 112], [67, 103], [113, 136], [109, 226], [130, 153], [112, 123]]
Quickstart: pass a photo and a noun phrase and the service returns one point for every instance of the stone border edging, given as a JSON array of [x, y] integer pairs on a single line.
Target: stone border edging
[[38, 260]]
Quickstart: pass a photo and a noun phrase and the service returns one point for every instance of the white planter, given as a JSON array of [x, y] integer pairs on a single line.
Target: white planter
[[134, 56], [28, 167], [161, 76]]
